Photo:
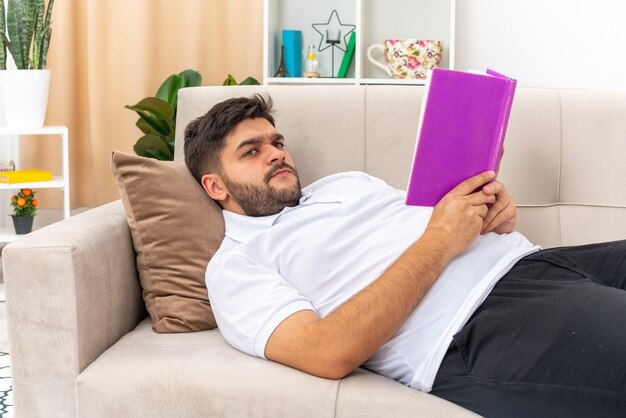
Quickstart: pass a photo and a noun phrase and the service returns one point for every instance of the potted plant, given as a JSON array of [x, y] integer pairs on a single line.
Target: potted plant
[[157, 116], [25, 32], [24, 210]]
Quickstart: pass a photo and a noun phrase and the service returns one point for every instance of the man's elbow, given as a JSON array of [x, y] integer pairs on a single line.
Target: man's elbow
[[334, 368]]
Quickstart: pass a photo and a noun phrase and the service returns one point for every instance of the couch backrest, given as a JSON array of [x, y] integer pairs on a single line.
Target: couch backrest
[[564, 161]]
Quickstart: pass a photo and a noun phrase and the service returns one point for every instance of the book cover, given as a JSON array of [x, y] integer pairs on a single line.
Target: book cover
[[347, 57], [460, 132], [24, 176]]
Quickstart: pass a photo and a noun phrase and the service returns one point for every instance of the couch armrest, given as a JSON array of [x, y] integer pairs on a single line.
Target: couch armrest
[[72, 291]]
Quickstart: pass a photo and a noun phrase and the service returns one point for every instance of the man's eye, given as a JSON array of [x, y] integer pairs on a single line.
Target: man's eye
[[250, 153], [279, 144]]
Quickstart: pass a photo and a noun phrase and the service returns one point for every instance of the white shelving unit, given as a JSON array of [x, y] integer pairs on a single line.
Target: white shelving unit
[[58, 182], [375, 20]]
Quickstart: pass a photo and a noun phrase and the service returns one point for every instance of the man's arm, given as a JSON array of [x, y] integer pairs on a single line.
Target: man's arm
[[334, 346]]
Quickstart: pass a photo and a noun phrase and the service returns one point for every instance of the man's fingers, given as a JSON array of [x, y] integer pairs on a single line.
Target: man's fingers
[[495, 218], [494, 188], [497, 208], [473, 183], [482, 210], [480, 198]]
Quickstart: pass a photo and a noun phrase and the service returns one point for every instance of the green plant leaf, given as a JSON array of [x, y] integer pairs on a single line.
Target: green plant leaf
[[157, 116], [29, 10], [191, 78], [145, 128], [249, 81], [48, 18], [154, 143], [188, 78], [152, 153], [230, 81], [44, 48], [163, 91], [17, 29], [157, 113], [168, 91], [143, 153], [3, 43], [172, 95], [38, 33]]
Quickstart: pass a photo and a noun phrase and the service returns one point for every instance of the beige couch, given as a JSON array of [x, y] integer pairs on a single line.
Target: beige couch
[[81, 346]]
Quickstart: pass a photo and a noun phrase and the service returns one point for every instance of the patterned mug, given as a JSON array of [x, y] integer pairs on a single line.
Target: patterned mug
[[408, 58]]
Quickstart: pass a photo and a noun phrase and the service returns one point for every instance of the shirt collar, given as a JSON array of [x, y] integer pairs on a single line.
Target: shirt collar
[[242, 228]]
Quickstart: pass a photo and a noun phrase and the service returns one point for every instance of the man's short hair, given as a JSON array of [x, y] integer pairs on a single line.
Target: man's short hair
[[205, 137]]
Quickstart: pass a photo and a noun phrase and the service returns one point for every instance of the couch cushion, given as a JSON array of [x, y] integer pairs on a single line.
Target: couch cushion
[[199, 374], [176, 228], [195, 375], [324, 132]]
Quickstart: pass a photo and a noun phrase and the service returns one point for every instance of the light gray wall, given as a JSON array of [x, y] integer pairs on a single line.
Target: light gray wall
[[545, 43]]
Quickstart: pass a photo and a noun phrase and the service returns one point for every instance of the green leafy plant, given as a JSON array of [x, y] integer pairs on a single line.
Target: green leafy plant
[[157, 116], [26, 33], [230, 81], [24, 203]]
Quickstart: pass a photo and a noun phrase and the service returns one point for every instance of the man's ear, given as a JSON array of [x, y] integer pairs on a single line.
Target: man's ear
[[214, 186]]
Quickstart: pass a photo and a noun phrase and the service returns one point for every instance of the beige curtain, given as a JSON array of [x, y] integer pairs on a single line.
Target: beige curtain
[[107, 54]]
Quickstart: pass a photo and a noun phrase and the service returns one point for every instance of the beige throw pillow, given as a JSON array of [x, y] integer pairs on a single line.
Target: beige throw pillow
[[176, 228]]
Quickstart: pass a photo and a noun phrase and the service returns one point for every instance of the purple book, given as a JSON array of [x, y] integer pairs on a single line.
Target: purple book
[[460, 133]]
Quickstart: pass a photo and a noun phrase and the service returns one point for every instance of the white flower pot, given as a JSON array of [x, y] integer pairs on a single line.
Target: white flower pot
[[25, 97]]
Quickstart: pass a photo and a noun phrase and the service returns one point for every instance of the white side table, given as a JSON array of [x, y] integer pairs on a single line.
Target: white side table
[[58, 182]]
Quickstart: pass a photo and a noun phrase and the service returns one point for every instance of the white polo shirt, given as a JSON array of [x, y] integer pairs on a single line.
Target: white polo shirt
[[346, 231]]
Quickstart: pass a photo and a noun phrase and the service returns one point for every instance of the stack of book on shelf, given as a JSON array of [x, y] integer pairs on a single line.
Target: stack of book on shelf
[[24, 176]]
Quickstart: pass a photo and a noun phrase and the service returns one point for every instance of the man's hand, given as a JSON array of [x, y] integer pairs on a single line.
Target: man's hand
[[459, 216], [502, 214]]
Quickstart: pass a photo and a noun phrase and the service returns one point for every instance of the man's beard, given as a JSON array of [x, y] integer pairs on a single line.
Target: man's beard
[[264, 200]]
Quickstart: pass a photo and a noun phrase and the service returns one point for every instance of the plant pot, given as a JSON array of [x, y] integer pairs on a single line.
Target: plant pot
[[25, 97], [23, 224]]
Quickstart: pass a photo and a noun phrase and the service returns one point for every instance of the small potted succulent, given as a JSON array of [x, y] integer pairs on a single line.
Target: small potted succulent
[[24, 210]]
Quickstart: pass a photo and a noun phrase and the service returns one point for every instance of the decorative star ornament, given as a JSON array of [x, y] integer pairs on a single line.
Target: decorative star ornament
[[334, 23]]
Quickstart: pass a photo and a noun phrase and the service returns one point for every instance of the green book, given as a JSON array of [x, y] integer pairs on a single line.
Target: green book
[[347, 57]]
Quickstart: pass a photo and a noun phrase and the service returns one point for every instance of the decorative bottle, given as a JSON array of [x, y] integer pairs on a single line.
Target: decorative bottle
[[310, 64]]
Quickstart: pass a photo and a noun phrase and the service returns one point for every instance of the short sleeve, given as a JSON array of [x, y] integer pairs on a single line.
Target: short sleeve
[[249, 301]]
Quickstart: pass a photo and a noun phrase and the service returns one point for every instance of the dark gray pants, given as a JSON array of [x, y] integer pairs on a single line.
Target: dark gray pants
[[549, 340]]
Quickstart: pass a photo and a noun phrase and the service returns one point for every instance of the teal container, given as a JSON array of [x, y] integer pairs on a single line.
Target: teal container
[[292, 41]]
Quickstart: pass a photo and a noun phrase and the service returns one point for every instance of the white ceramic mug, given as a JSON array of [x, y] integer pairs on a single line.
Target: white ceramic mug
[[407, 58]]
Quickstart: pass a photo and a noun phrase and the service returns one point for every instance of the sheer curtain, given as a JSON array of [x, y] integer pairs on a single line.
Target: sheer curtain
[[107, 54]]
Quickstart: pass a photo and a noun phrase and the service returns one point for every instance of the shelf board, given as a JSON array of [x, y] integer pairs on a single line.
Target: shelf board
[[55, 183], [44, 130], [8, 235], [304, 80], [392, 81], [348, 81]]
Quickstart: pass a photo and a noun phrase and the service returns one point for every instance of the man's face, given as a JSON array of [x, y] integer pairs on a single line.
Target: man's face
[[258, 172]]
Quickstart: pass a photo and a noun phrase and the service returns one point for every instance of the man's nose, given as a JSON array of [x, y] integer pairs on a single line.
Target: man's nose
[[275, 155]]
